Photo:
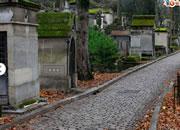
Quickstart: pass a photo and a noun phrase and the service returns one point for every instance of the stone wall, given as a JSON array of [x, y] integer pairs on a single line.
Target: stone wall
[[142, 42], [53, 63], [23, 76], [135, 47], [17, 14], [161, 39], [123, 44], [22, 42]]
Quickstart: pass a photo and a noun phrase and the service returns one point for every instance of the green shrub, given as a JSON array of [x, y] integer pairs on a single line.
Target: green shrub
[[127, 62], [174, 48], [145, 58], [103, 51], [132, 59]]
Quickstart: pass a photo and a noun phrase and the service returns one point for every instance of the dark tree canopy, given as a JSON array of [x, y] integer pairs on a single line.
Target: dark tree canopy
[[138, 6]]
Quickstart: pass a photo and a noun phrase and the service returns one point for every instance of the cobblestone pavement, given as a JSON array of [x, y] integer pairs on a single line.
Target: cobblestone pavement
[[115, 108]]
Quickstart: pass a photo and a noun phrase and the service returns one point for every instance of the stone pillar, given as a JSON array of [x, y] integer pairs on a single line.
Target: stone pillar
[[18, 19]]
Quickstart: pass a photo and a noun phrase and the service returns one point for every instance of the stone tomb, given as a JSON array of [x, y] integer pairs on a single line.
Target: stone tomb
[[123, 40], [19, 52], [57, 50], [142, 35]]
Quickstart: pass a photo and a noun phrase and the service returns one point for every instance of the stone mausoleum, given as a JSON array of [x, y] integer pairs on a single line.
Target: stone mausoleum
[[123, 39], [162, 40], [19, 52], [142, 35], [57, 38]]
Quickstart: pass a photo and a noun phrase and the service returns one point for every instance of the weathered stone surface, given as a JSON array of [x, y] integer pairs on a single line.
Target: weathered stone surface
[[161, 39], [142, 42], [118, 106], [53, 63], [22, 49]]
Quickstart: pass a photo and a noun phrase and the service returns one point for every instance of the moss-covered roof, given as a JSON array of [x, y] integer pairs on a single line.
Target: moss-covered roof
[[143, 21], [71, 1], [55, 24], [26, 3], [96, 10], [161, 29]]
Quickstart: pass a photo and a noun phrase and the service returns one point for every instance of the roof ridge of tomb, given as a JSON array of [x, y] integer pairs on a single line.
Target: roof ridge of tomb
[[21, 3], [143, 21], [59, 24]]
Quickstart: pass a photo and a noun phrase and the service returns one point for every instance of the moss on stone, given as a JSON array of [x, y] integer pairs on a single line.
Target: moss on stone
[[28, 102], [72, 1], [174, 37], [161, 29], [143, 21], [97, 10], [29, 3], [55, 24]]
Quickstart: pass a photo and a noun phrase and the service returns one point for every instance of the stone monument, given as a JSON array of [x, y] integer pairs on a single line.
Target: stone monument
[[19, 52]]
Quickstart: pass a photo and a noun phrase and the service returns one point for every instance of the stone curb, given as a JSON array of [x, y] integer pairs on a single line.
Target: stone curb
[[155, 116], [87, 93]]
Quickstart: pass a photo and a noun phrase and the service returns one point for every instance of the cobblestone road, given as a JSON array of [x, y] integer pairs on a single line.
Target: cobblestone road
[[116, 107]]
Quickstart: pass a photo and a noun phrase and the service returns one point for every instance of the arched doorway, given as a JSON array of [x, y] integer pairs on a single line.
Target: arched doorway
[[72, 63]]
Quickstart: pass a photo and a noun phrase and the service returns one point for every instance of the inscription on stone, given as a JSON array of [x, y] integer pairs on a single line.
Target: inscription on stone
[[53, 70]]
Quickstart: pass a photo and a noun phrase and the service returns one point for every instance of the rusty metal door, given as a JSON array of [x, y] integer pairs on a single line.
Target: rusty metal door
[[3, 78]]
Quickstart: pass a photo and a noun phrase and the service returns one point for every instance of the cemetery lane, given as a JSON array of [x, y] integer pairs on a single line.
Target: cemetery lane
[[118, 106]]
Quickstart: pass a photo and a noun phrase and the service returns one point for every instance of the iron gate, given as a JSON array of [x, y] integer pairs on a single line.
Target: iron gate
[[3, 78]]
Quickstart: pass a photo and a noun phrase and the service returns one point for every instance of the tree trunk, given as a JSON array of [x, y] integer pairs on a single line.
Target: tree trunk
[[119, 8], [157, 13], [83, 63]]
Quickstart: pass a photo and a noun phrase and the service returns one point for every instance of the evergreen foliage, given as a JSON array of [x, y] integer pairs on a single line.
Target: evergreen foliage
[[103, 51]]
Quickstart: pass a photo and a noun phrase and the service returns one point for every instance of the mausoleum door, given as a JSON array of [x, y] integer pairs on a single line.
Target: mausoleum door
[[4, 77], [72, 63]]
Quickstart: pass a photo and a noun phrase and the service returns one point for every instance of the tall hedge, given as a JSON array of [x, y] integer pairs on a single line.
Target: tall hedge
[[103, 51]]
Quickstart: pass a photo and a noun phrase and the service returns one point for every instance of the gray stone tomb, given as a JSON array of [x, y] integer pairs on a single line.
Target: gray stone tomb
[[18, 37]]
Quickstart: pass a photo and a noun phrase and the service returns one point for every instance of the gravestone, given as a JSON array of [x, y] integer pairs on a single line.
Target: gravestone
[[19, 51]]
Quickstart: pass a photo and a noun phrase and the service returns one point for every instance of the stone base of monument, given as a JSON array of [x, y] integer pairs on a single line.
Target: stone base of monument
[[25, 109]]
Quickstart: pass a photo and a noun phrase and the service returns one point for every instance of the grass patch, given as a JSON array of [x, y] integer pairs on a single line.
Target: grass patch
[[29, 102]]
